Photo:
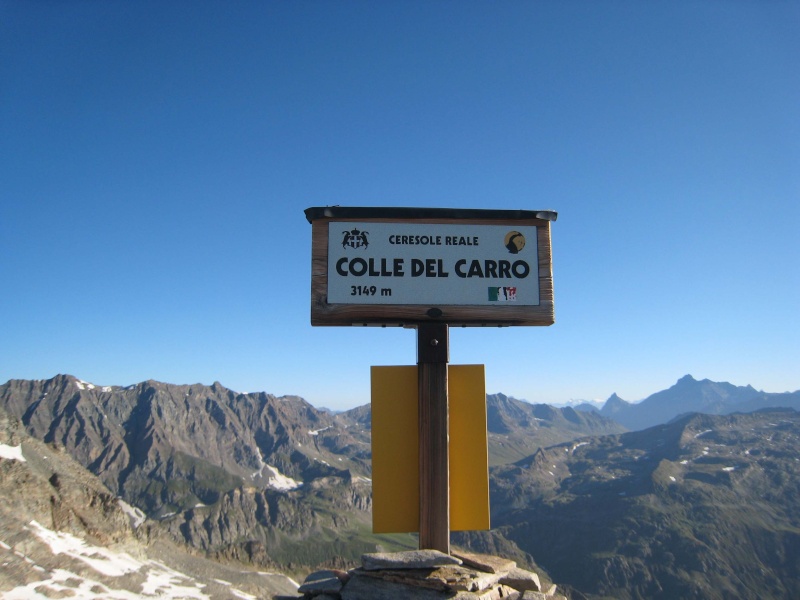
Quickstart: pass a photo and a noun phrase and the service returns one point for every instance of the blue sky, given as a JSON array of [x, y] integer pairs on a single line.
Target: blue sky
[[156, 159]]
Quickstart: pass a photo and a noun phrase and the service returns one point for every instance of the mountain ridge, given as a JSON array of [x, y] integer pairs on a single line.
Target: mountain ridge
[[689, 395]]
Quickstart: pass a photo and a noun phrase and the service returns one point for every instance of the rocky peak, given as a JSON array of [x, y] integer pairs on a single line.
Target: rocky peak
[[614, 402]]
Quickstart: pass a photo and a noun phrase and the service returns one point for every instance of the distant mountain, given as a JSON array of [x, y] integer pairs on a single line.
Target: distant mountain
[[584, 405], [690, 395], [517, 428], [704, 507]]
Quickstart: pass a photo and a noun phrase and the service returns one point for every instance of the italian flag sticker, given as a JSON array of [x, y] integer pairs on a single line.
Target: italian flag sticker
[[502, 294]]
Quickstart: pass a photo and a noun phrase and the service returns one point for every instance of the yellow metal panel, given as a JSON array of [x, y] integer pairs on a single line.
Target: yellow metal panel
[[469, 454], [395, 449]]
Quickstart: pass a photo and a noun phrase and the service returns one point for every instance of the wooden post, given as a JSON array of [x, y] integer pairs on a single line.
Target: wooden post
[[434, 457]]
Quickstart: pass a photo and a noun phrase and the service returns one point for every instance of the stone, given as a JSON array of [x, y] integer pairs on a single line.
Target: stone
[[464, 579], [322, 582], [527, 596], [418, 578], [551, 591], [486, 562], [522, 580], [411, 559], [449, 578], [375, 588], [499, 592]]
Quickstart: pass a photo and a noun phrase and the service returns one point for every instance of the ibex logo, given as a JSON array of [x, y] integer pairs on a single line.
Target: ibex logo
[[355, 239]]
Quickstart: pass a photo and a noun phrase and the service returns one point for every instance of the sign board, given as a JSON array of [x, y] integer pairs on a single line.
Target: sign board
[[403, 266]]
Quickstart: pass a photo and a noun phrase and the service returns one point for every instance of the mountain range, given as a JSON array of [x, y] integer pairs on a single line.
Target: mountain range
[[690, 395], [276, 484], [254, 477]]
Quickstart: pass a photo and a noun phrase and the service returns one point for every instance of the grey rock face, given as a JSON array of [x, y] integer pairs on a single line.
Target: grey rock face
[[485, 562], [522, 580], [322, 582], [213, 467]]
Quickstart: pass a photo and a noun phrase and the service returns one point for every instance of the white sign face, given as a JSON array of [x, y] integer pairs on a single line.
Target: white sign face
[[432, 264]]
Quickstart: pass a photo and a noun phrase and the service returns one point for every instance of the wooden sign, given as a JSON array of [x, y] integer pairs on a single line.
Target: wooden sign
[[405, 266]]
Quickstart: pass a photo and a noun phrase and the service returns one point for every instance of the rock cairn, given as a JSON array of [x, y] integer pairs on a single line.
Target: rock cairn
[[426, 575]]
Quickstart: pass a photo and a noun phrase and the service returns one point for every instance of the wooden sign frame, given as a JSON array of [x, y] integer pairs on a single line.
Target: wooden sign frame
[[410, 315]]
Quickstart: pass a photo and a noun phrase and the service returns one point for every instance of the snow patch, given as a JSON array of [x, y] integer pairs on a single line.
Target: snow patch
[[11, 453], [318, 431], [161, 581], [136, 516], [279, 481], [261, 464], [100, 559], [579, 445], [67, 584], [703, 433], [728, 469], [243, 595], [672, 478]]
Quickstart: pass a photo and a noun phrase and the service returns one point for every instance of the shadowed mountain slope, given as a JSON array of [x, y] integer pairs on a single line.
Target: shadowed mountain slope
[[704, 507]]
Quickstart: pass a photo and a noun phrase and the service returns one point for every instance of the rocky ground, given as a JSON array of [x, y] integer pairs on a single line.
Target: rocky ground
[[63, 534], [427, 575]]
